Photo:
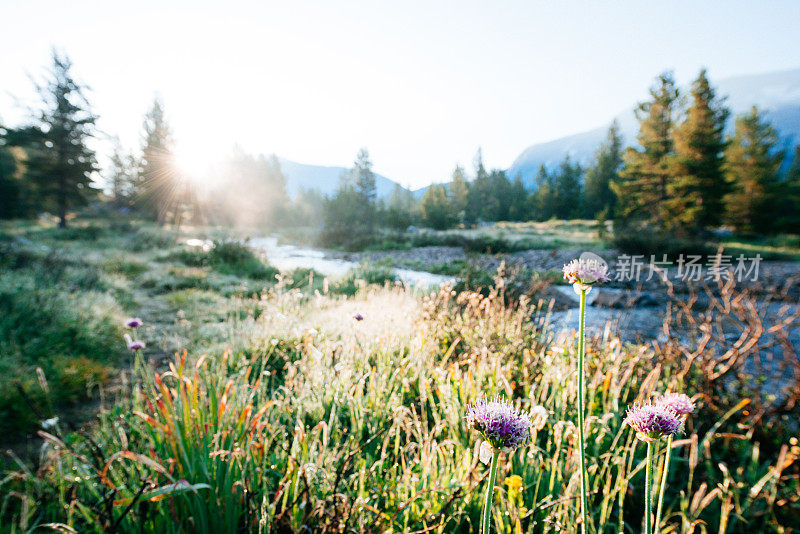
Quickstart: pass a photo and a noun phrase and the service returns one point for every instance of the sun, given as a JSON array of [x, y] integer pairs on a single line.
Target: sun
[[193, 163]]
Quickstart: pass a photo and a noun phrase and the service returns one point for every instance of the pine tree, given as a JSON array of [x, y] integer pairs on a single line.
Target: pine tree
[[567, 192], [458, 192], [436, 209], [400, 209], [480, 202], [122, 176], [501, 195], [543, 198], [60, 162], [697, 186], [788, 219], [158, 185], [598, 196], [642, 186], [752, 164], [520, 208], [13, 188], [364, 178]]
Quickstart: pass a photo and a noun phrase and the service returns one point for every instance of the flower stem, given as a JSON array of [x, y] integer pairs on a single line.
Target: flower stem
[[486, 521], [657, 524], [581, 409], [648, 490]]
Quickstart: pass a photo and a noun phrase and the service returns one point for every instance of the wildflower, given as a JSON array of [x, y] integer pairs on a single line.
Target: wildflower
[[358, 317], [504, 428], [681, 405], [134, 345], [583, 273], [653, 422], [677, 402], [133, 322], [502, 425], [514, 483], [586, 271]]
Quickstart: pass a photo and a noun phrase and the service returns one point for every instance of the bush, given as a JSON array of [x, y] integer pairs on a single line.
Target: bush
[[646, 242], [365, 274], [237, 259]]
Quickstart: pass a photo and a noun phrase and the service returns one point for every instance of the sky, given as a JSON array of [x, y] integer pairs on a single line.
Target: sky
[[420, 84]]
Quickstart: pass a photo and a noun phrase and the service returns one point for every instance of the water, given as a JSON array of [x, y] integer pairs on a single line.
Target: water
[[288, 257]]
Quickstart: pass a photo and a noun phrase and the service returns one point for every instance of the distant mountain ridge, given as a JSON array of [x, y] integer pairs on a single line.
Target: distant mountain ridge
[[324, 179], [777, 95]]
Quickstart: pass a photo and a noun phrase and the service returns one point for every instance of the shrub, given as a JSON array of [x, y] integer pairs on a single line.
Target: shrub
[[237, 259], [644, 241], [365, 274]]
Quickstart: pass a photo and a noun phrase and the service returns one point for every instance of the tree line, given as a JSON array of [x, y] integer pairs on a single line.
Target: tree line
[[685, 175], [49, 165]]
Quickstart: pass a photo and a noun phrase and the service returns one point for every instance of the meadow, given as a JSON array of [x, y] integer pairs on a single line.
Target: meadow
[[281, 402]]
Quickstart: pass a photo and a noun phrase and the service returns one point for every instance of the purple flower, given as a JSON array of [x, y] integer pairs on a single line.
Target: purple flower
[[653, 422], [498, 421], [358, 317], [136, 345], [586, 271], [133, 322], [677, 402]]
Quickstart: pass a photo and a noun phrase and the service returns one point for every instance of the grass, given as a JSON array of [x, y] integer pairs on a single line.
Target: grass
[[264, 405], [310, 420], [64, 295]]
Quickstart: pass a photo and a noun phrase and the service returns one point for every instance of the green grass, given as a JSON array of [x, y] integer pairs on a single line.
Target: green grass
[[311, 421], [286, 414]]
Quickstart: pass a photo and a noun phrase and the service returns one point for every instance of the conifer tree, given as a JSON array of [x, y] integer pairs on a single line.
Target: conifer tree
[[458, 192], [789, 193], [60, 162], [598, 196], [697, 185], [567, 192], [364, 178], [158, 184], [543, 198], [122, 176], [436, 208], [520, 208], [400, 209], [642, 186], [499, 198], [479, 197], [13, 189], [752, 164]]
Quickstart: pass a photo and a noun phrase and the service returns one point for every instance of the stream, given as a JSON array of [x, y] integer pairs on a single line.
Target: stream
[[288, 257]]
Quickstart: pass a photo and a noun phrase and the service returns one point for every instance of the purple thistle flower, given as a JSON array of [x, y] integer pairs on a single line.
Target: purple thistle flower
[[136, 345], [677, 402], [586, 271], [133, 322], [503, 426], [653, 422], [358, 317]]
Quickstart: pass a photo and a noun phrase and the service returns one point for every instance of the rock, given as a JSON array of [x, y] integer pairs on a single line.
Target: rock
[[611, 299]]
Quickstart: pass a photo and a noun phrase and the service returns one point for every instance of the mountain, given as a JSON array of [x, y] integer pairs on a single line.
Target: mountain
[[324, 179], [777, 94]]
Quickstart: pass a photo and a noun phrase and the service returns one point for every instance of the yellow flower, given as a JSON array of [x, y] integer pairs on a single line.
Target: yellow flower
[[514, 483]]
